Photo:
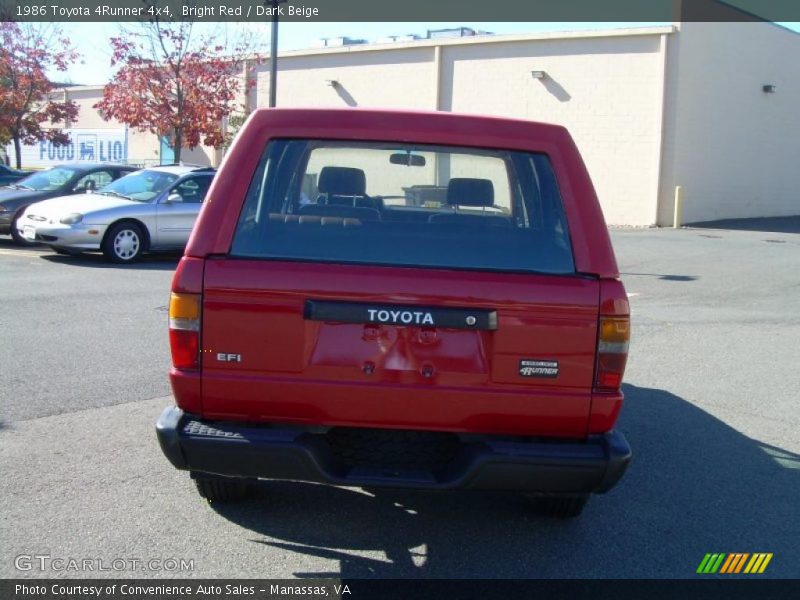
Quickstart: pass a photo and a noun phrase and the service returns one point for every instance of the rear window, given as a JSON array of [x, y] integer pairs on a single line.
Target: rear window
[[404, 205]]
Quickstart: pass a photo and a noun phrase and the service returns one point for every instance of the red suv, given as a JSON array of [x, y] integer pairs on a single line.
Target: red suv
[[406, 299]]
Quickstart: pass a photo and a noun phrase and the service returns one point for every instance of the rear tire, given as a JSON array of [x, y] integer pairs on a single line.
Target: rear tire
[[559, 507], [124, 243], [217, 489]]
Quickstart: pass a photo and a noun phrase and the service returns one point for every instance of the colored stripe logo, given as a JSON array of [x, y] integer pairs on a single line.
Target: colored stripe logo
[[735, 562]]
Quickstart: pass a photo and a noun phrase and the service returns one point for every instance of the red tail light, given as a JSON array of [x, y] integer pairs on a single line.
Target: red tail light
[[184, 330], [613, 335], [612, 352]]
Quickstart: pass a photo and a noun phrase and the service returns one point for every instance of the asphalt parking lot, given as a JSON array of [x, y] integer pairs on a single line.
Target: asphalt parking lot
[[711, 413]]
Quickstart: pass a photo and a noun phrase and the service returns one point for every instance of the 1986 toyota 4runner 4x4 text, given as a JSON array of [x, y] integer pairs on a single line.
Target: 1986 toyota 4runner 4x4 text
[[408, 299]]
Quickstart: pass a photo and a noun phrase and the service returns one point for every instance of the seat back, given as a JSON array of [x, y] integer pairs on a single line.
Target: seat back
[[469, 191], [473, 193]]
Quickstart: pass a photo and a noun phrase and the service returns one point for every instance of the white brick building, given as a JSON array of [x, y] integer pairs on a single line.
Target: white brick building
[[650, 108]]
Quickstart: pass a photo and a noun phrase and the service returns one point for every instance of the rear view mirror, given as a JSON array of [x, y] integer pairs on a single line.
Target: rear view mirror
[[407, 159], [90, 185], [174, 198]]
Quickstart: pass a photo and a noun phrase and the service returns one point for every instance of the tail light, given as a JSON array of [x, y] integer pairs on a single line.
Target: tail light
[[613, 335], [612, 352], [184, 330]]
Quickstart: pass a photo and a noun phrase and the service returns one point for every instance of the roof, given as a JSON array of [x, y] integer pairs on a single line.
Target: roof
[[179, 169], [83, 164], [440, 127], [488, 39]]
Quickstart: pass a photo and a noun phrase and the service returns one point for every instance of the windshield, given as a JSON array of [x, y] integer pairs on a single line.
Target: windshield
[[52, 179], [141, 186]]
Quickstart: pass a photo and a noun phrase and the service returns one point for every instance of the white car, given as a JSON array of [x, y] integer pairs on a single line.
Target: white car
[[151, 209]]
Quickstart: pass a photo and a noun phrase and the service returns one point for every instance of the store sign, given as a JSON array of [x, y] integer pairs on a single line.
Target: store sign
[[92, 145]]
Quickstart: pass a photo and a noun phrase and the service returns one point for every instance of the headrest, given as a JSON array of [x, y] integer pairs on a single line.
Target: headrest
[[465, 191], [344, 181]]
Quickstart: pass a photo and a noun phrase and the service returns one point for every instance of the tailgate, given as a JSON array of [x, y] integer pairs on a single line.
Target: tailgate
[[395, 347]]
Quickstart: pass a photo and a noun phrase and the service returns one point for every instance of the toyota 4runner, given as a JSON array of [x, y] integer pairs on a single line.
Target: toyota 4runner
[[407, 299]]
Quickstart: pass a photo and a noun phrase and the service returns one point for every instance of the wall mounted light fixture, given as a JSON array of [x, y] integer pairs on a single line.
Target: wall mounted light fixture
[[331, 82], [538, 74], [769, 88]]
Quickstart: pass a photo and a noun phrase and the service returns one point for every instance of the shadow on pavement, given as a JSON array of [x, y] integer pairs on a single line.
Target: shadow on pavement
[[695, 486], [766, 224], [666, 277], [149, 262]]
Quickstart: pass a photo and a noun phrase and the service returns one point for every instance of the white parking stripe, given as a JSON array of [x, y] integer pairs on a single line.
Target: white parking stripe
[[632, 294]]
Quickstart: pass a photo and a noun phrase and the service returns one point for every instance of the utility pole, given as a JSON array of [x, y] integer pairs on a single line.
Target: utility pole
[[273, 53]]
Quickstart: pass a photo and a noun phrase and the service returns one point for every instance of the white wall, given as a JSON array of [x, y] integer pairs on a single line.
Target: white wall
[[733, 148], [606, 91], [376, 78]]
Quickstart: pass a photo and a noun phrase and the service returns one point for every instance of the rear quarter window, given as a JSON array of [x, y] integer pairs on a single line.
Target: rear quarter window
[[386, 203]]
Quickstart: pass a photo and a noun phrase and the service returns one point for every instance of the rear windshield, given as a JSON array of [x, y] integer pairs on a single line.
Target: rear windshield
[[405, 205]]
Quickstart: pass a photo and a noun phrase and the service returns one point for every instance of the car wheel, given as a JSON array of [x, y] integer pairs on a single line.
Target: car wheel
[[559, 507], [124, 243], [15, 235], [217, 489]]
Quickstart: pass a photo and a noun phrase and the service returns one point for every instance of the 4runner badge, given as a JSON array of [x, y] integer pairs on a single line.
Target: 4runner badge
[[538, 368]]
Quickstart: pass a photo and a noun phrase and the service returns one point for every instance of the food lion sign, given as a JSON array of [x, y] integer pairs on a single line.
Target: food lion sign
[[91, 145]]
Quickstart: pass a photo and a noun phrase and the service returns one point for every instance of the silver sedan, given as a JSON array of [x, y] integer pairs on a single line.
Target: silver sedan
[[151, 209]]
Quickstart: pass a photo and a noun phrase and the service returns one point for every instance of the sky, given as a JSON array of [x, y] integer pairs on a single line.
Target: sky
[[91, 39]]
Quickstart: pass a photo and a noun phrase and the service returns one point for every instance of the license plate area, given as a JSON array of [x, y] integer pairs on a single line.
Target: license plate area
[[475, 319], [29, 232]]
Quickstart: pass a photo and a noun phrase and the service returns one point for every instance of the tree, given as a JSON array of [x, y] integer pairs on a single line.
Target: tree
[[175, 84], [27, 103]]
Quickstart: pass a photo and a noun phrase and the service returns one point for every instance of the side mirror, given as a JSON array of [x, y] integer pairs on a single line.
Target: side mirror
[[174, 198]]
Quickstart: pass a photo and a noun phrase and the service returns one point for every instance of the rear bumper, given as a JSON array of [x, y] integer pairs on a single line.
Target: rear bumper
[[235, 450]]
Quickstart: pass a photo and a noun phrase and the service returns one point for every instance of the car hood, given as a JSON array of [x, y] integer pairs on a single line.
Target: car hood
[[83, 204], [21, 196]]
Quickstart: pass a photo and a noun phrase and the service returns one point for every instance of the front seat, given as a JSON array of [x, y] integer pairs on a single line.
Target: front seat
[[342, 194], [472, 193], [341, 185]]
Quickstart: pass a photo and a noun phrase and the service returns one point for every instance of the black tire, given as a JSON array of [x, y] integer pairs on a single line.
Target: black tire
[[217, 489], [559, 507], [18, 239], [124, 243]]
